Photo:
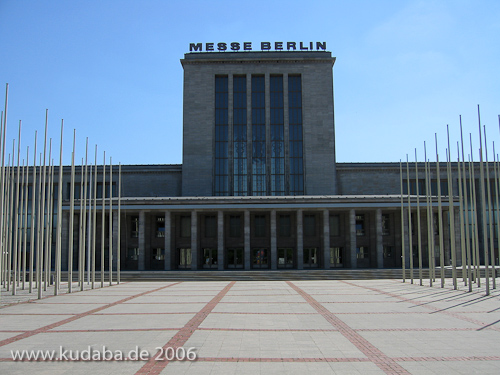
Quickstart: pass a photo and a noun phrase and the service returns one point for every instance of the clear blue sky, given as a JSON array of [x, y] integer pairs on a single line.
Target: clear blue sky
[[110, 69]]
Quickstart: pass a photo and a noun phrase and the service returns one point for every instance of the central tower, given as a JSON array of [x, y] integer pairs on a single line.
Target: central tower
[[258, 124]]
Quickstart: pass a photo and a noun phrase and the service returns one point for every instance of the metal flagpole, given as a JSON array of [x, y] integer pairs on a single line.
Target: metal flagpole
[[403, 255], [39, 261], [94, 220], [81, 243], [48, 203], [25, 221], [43, 185], [71, 217], [10, 213], [440, 215], [461, 217], [410, 231], [83, 209], [118, 247], [466, 204], [3, 131], [103, 217], [59, 217], [490, 210], [483, 207], [32, 226], [475, 256], [110, 245], [430, 228], [419, 236], [89, 228], [16, 217], [451, 208]]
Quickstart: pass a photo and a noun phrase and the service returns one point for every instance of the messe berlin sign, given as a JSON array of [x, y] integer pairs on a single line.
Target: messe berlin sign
[[264, 46]]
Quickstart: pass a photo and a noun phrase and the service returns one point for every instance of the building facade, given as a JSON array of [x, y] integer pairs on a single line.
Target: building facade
[[259, 186]]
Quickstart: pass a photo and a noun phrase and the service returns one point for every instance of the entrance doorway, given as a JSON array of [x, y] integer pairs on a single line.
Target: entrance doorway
[[285, 257]]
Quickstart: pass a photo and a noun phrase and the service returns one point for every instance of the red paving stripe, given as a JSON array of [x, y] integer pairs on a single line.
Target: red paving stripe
[[73, 318], [385, 363], [432, 308], [155, 367], [263, 313], [268, 329]]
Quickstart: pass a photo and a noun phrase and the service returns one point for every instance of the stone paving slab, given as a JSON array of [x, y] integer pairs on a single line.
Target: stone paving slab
[[257, 327]]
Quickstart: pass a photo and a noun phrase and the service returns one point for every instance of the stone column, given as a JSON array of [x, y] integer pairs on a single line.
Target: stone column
[[142, 241], [220, 240], [326, 240], [274, 248], [352, 239], [379, 239], [246, 257], [194, 240], [168, 242], [300, 241]]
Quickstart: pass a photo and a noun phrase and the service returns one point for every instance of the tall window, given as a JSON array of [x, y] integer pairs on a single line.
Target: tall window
[[295, 129], [258, 136], [221, 136], [277, 137], [240, 134]]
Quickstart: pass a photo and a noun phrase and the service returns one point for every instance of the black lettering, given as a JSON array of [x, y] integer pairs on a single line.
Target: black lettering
[[195, 47], [278, 46], [302, 48], [209, 47], [221, 46], [290, 46], [235, 46], [247, 46], [265, 46], [320, 45]]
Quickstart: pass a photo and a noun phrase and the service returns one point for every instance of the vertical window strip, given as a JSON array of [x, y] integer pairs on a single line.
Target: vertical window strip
[[295, 132], [240, 135], [258, 136], [277, 136], [221, 136]]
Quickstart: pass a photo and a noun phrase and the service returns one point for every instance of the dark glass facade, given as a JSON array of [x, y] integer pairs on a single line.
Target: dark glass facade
[[221, 136], [277, 136], [295, 130], [259, 186], [240, 135], [258, 158]]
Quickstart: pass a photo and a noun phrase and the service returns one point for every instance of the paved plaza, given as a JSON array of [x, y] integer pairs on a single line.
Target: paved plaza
[[252, 327]]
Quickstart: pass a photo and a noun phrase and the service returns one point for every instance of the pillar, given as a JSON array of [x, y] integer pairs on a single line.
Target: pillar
[[274, 243], [352, 238], [220, 240], [379, 239], [246, 256], [194, 240], [142, 241], [300, 241], [168, 241], [326, 239]]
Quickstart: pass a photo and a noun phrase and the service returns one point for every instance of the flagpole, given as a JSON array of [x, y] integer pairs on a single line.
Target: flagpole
[[71, 218], [403, 255], [440, 215]]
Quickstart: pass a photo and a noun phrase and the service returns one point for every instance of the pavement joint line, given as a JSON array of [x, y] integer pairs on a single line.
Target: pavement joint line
[[112, 330], [75, 317], [379, 358], [426, 306], [182, 336]]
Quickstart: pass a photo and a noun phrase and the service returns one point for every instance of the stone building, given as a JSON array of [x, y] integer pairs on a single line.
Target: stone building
[[259, 186]]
